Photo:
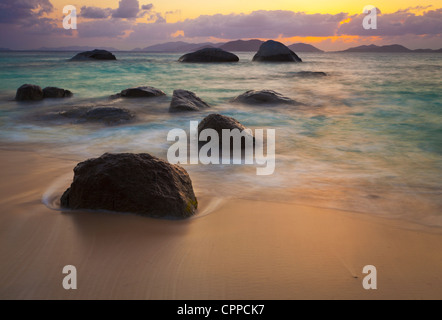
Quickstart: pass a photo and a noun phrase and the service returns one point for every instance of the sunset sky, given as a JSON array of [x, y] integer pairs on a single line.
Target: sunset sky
[[126, 24]]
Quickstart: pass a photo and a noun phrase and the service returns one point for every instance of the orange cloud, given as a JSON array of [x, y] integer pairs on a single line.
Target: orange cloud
[[179, 33]]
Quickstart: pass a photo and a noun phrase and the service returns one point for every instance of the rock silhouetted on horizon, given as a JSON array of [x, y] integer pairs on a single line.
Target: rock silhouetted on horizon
[[274, 51], [209, 55]]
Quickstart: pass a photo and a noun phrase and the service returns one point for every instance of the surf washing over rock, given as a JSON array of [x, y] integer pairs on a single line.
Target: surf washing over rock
[[223, 140], [337, 142]]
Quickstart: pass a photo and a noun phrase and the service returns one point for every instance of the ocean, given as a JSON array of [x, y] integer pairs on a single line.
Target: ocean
[[367, 139]]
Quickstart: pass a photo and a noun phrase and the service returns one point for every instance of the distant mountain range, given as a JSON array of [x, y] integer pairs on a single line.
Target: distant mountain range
[[235, 46], [242, 45], [303, 47], [396, 48], [178, 46], [75, 48]]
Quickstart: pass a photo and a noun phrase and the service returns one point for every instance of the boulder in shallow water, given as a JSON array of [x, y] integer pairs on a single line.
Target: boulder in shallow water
[[274, 51], [219, 122], [184, 100], [94, 55], [133, 183], [209, 55], [106, 115], [139, 92], [257, 97], [53, 92], [29, 92]]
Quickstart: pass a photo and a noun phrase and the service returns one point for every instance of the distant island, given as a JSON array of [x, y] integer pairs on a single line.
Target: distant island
[[74, 48], [303, 47], [395, 48], [235, 46], [242, 45], [178, 46]]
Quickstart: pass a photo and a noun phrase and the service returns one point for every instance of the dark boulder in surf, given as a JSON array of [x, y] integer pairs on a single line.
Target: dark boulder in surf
[[264, 97], [139, 92], [53, 92], [209, 55], [274, 51], [94, 55], [184, 100], [219, 122], [132, 183], [106, 115], [29, 92]]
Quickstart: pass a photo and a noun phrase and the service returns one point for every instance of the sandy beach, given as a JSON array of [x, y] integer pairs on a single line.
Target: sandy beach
[[240, 250]]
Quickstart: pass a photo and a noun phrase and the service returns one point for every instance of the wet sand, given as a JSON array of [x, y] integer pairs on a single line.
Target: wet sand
[[241, 250]]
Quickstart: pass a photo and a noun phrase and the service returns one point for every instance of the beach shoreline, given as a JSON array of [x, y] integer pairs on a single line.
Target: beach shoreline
[[239, 249]]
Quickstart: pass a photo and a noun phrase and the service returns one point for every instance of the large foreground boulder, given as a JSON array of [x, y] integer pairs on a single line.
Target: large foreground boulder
[[29, 92], [139, 92], [106, 115], [94, 55], [219, 122], [133, 183], [184, 100], [274, 51], [209, 55], [53, 92], [257, 97]]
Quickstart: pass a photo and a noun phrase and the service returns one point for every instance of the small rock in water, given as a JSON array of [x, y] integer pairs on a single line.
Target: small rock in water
[[94, 55], [310, 74], [53, 92], [132, 183], [106, 115], [139, 92], [264, 97], [29, 92]]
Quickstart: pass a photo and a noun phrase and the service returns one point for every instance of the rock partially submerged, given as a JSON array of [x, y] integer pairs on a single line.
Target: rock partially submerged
[[310, 74], [184, 100], [219, 122], [53, 92], [139, 92], [274, 51], [29, 92], [106, 115], [94, 55], [132, 183], [209, 55], [263, 97]]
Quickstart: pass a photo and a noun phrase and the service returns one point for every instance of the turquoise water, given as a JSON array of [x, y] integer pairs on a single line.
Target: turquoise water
[[369, 138]]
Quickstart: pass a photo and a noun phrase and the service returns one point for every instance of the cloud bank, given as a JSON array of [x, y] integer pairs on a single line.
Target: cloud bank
[[12, 11], [131, 25], [276, 24]]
